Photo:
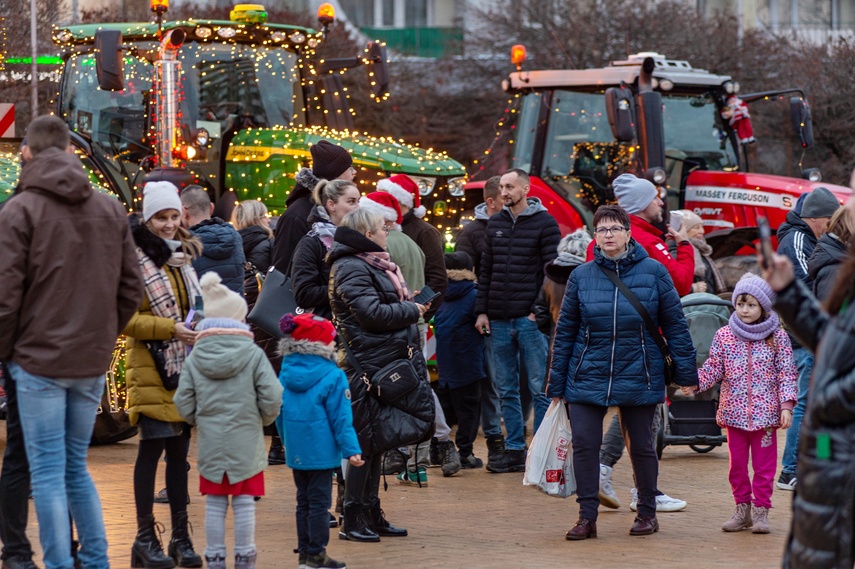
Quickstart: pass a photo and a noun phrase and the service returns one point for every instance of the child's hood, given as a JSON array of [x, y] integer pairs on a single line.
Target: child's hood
[[223, 355], [301, 372]]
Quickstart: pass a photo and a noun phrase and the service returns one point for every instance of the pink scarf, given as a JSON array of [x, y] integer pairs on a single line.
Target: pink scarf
[[382, 261]]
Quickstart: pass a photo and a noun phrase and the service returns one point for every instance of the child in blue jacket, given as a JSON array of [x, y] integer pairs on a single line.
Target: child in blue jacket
[[316, 425], [460, 353]]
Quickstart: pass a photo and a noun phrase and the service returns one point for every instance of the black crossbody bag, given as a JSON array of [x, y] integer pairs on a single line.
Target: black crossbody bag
[[394, 380], [661, 342]]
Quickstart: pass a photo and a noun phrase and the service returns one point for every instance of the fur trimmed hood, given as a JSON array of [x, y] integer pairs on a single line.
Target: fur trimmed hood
[[289, 345], [153, 246], [461, 275]]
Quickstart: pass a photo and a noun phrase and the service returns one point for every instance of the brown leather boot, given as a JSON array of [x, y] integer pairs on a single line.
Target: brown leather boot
[[644, 526], [583, 529], [740, 520]]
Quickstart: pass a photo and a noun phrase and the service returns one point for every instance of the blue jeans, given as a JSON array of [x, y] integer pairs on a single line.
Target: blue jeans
[[804, 361], [57, 417], [511, 339], [491, 415], [314, 496]]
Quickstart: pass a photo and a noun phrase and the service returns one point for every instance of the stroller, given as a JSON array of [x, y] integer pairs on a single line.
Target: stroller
[[691, 421]]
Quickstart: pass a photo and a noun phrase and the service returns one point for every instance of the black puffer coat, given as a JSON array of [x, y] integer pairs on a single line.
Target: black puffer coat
[[222, 253], [821, 531], [310, 274], [258, 250], [294, 224], [512, 266], [375, 324]]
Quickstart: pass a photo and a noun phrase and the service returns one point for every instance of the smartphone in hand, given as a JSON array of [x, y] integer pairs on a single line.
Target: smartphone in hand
[[425, 296], [675, 220], [765, 241]]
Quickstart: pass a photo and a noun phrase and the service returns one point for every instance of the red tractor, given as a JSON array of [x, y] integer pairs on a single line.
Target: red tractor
[[683, 128]]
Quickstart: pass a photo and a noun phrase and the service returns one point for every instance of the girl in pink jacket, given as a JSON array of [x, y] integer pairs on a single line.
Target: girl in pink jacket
[[752, 359]]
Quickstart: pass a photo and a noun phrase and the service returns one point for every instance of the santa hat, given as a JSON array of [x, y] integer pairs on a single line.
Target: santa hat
[[405, 190], [385, 205], [307, 333]]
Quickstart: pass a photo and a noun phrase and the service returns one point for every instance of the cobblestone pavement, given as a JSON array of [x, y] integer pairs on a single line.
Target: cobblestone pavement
[[477, 519]]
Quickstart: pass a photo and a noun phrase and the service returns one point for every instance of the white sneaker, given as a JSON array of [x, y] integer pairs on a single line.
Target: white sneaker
[[664, 503], [608, 496]]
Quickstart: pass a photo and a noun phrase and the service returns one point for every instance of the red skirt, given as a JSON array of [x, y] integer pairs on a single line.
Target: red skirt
[[253, 486]]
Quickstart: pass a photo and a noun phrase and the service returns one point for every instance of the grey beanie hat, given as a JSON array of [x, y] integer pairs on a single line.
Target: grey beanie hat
[[634, 194], [820, 203]]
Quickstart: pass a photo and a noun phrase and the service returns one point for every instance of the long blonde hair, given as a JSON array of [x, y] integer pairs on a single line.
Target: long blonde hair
[[248, 213], [842, 225]]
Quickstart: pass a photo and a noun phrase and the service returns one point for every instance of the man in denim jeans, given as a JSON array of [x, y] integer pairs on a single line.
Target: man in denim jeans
[[797, 237], [71, 283], [521, 239]]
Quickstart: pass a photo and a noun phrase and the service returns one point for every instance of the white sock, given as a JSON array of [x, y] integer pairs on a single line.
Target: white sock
[[215, 525], [244, 508]]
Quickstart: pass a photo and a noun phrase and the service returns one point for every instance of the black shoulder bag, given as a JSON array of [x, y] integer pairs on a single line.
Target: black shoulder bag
[[660, 340], [394, 380]]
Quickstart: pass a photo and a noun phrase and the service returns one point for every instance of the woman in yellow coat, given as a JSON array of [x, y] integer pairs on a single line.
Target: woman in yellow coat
[[164, 250]]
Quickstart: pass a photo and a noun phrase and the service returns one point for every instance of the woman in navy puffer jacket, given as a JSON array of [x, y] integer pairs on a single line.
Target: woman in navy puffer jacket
[[603, 355]]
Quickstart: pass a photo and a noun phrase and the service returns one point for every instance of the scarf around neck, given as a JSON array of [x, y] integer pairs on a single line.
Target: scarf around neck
[[162, 299], [325, 228], [382, 261], [753, 332]]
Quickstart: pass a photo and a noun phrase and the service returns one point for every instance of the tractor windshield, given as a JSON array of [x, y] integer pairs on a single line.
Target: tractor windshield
[[693, 133], [224, 88], [228, 82]]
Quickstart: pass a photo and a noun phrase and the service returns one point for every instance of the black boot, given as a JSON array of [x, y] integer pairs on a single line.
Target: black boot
[[381, 526], [495, 451], [147, 551], [180, 546], [276, 455], [356, 526], [510, 461]]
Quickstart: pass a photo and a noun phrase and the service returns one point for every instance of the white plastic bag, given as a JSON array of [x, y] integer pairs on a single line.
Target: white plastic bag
[[549, 464]]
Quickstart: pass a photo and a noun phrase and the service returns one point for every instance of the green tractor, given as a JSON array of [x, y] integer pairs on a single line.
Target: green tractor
[[232, 106]]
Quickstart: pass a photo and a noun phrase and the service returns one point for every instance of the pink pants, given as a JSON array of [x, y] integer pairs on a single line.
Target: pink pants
[[763, 448]]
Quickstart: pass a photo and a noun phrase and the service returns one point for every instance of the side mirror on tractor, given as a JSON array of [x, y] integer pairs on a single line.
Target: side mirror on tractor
[[621, 112], [108, 60], [802, 122], [378, 69]]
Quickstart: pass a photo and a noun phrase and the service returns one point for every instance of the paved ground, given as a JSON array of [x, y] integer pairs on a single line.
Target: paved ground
[[477, 519]]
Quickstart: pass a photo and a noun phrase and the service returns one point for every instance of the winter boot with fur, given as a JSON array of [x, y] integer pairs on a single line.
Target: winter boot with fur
[[740, 520]]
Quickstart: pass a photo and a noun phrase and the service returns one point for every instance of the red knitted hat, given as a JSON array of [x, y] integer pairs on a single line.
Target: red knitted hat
[[308, 327], [384, 204], [405, 190]]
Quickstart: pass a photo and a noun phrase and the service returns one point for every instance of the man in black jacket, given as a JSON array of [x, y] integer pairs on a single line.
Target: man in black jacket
[[797, 237], [329, 162], [472, 239], [223, 248], [521, 239]]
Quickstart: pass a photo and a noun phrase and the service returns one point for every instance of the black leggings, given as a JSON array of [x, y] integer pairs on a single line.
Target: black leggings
[[145, 471]]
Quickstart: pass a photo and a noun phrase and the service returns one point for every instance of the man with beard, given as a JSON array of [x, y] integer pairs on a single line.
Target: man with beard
[[521, 239]]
